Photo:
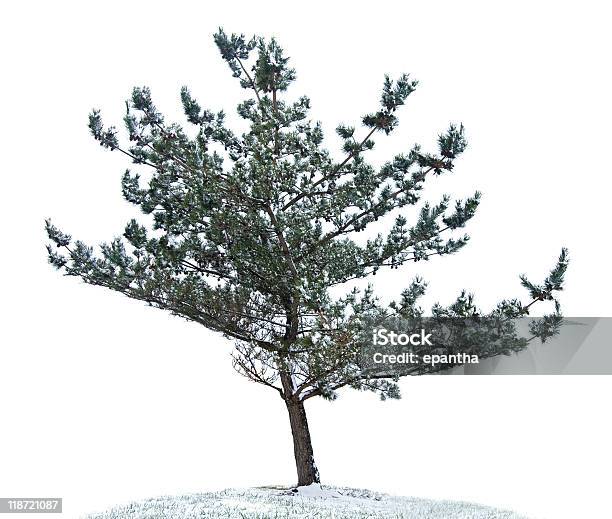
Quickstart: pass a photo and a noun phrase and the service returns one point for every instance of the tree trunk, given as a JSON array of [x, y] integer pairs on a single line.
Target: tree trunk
[[302, 445]]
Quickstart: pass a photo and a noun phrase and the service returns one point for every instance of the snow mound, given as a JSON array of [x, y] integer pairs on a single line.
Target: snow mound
[[311, 502], [316, 490]]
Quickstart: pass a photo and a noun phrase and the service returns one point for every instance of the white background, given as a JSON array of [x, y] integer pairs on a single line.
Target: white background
[[104, 400]]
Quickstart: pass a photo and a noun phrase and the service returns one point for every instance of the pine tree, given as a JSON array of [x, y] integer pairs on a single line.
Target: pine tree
[[251, 232]]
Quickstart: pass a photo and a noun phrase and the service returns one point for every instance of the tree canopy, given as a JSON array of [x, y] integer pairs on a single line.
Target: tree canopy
[[248, 233]]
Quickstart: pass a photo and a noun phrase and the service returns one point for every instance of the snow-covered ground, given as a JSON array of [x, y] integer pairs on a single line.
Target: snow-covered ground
[[305, 503]]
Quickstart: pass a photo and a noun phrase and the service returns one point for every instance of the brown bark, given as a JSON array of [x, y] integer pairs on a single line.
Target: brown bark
[[302, 445]]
